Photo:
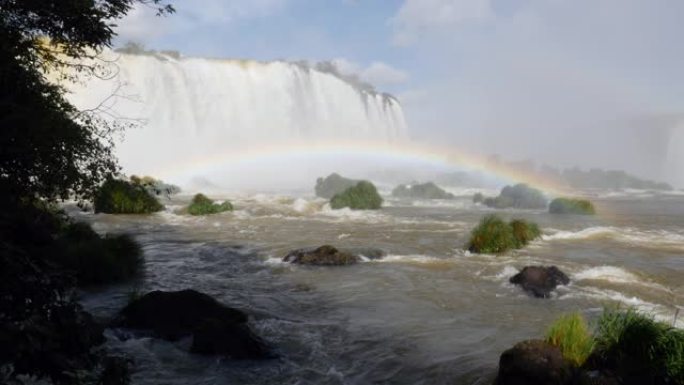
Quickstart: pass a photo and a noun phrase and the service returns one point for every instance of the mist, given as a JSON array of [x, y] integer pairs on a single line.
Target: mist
[[568, 83]]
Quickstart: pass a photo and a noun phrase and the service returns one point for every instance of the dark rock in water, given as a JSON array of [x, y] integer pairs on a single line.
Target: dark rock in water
[[173, 315], [332, 185], [534, 362], [519, 196], [540, 280], [215, 328], [427, 190], [234, 340], [325, 255]]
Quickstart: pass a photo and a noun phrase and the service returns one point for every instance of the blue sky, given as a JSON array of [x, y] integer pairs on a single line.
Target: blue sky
[[586, 82]]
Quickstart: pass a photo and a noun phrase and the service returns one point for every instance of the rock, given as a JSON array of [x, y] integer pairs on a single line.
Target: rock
[[234, 340], [332, 185], [325, 255], [534, 362], [519, 196], [427, 190], [539, 281], [215, 328]]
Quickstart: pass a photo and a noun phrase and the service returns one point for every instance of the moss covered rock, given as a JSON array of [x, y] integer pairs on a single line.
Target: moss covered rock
[[493, 236], [362, 196], [201, 205], [117, 196], [571, 206], [332, 185], [427, 190], [520, 196]]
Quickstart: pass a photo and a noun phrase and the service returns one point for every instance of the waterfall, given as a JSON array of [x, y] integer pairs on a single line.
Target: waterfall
[[195, 107]]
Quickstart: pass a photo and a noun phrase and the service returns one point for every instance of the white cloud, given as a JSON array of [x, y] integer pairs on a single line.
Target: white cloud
[[417, 17], [377, 73]]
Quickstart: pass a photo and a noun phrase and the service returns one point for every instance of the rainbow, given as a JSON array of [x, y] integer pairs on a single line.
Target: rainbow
[[404, 151]]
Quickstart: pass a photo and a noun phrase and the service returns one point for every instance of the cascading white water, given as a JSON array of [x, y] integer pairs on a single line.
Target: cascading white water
[[195, 108]]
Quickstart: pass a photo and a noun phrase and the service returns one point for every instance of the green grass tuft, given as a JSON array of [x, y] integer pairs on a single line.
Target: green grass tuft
[[363, 196], [201, 205], [494, 236], [524, 232], [572, 206], [636, 346], [571, 335]]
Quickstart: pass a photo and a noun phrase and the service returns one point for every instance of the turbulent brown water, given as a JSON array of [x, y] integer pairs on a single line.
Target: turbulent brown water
[[427, 313]]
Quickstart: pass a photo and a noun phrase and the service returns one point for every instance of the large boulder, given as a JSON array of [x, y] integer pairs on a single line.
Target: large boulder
[[427, 190], [332, 185], [235, 340], [215, 328], [534, 362], [539, 281], [519, 196], [325, 255]]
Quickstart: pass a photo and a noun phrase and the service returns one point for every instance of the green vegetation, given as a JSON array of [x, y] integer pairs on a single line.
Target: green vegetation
[[524, 232], [636, 346], [493, 236], [117, 196], [520, 196], [363, 196], [571, 206], [201, 205], [571, 335], [628, 344], [332, 185], [427, 190], [96, 260]]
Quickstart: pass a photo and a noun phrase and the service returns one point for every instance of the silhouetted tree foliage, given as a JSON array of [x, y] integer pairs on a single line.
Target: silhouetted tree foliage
[[48, 148]]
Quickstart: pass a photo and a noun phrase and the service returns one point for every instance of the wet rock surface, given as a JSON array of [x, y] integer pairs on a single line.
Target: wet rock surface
[[540, 281]]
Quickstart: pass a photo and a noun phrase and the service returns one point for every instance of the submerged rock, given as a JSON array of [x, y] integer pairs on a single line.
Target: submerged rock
[[325, 255], [427, 190], [215, 328], [534, 362], [539, 281]]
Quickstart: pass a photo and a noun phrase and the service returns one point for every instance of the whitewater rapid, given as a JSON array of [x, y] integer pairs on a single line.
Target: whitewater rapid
[[194, 109]]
